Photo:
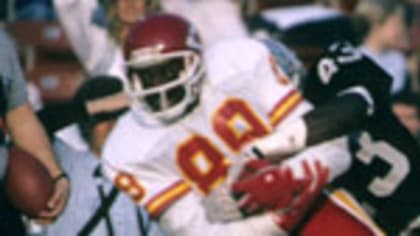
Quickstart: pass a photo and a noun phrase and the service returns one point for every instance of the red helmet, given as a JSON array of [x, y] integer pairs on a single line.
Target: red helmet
[[163, 54]]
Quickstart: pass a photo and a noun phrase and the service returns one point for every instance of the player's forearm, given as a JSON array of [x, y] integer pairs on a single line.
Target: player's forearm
[[333, 155], [343, 115], [179, 221], [339, 117], [28, 133]]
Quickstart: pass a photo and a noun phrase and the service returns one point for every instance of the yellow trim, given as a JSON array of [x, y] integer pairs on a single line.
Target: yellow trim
[[167, 197], [343, 198], [284, 107]]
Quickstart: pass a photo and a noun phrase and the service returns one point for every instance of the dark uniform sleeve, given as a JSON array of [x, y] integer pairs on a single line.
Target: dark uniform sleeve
[[347, 88], [344, 70]]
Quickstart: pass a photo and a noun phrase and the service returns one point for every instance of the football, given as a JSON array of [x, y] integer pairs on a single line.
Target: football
[[28, 183]]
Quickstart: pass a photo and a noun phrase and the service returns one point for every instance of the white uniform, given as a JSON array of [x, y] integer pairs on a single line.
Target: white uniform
[[170, 169]]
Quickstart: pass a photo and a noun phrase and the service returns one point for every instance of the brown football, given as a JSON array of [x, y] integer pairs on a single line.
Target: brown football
[[28, 183]]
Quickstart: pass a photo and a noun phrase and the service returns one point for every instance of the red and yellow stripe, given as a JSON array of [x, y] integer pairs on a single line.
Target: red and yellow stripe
[[286, 105], [344, 199], [160, 202]]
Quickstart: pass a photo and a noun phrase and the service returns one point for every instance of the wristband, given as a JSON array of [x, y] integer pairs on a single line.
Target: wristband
[[63, 175]]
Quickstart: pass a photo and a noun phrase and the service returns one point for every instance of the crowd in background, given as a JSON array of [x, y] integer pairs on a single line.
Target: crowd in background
[[96, 30]]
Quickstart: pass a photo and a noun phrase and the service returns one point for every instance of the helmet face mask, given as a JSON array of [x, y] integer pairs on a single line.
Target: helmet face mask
[[165, 85], [164, 68]]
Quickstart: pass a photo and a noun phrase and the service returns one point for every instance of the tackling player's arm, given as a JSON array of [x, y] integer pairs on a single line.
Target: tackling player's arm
[[334, 119], [346, 89]]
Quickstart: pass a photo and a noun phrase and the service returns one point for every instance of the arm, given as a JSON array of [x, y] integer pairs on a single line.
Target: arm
[[57, 116], [341, 116], [97, 98], [74, 19], [346, 89], [24, 127], [178, 208], [187, 217], [334, 119], [169, 199], [87, 34], [28, 133], [333, 155]]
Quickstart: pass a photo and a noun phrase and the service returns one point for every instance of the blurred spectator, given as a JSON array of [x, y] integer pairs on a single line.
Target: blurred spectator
[[215, 20], [383, 26], [96, 30], [28, 10], [315, 25], [406, 107], [27, 133], [34, 10], [122, 14], [96, 207], [346, 6], [95, 108]]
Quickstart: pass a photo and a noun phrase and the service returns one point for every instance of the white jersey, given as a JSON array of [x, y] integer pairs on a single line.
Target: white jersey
[[169, 167]]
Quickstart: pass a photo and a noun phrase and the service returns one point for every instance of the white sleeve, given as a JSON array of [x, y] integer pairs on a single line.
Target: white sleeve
[[286, 107], [89, 41], [187, 218], [334, 155]]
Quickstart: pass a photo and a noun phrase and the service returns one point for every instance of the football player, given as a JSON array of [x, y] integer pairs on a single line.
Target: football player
[[181, 142], [352, 94]]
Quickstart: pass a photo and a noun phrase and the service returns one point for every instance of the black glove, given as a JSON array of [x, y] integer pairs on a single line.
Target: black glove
[[97, 88]]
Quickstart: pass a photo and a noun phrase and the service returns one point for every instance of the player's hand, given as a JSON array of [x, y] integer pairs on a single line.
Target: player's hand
[[318, 177], [56, 203], [252, 167], [269, 187]]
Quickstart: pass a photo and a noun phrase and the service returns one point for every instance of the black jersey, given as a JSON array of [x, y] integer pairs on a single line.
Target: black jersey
[[386, 161]]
